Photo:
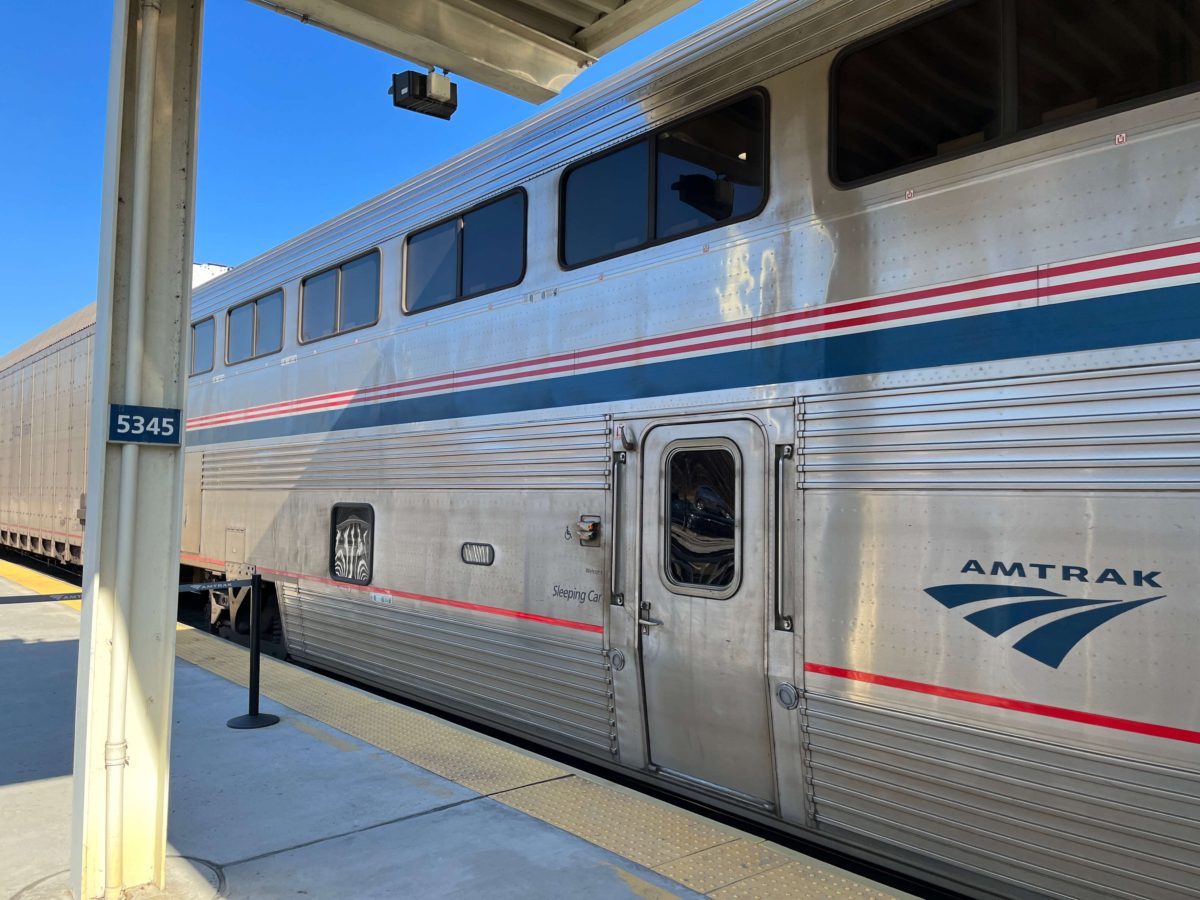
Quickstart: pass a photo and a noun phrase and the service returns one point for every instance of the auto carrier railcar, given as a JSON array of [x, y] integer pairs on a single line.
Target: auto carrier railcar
[[45, 393], [806, 420]]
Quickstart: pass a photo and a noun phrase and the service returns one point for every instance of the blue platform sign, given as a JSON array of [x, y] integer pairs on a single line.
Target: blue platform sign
[[144, 425]]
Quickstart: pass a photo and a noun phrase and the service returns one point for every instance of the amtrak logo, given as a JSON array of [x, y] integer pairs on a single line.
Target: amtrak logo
[[998, 608]]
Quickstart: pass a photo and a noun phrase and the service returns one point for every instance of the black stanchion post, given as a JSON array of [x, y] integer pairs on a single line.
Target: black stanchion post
[[254, 719]]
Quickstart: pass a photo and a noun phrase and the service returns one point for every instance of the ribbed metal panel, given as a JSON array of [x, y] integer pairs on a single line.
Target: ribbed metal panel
[[293, 618], [1030, 813], [1127, 430], [554, 689], [45, 393], [542, 455]]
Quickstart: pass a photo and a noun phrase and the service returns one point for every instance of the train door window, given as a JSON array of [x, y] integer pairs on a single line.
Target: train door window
[[340, 299], [203, 344], [477, 251], [1079, 56], [710, 168], [605, 205], [352, 543], [929, 90], [702, 516]]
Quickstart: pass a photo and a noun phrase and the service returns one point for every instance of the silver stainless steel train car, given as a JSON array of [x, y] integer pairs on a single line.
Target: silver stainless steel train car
[[807, 420]]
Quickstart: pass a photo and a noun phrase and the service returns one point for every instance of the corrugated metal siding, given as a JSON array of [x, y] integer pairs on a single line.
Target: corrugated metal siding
[[572, 454], [45, 397], [1123, 430], [554, 689], [1065, 821]]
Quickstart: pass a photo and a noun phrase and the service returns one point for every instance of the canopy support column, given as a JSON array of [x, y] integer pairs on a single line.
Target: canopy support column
[[132, 535]]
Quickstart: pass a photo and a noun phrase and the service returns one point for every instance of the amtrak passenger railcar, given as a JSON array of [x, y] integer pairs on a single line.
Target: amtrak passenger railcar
[[806, 420]]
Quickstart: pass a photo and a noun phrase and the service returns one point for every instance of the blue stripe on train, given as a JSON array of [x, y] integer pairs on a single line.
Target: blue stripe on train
[[1145, 317]]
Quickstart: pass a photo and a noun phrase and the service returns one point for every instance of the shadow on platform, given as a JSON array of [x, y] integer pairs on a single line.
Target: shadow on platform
[[37, 709]]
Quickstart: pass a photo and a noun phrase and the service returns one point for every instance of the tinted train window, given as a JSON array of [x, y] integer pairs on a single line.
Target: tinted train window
[[710, 169], [239, 333], [268, 329], [352, 543], [605, 205], [929, 90], [360, 293], [340, 299], [944, 85], [203, 343], [432, 272], [702, 517], [698, 173], [1079, 56], [493, 245], [480, 250], [318, 316], [254, 329]]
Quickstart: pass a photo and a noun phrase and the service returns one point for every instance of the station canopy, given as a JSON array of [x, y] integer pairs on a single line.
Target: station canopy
[[528, 48]]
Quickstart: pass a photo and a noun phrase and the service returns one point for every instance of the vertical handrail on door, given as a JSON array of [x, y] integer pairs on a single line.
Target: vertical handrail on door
[[783, 453], [616, 597]]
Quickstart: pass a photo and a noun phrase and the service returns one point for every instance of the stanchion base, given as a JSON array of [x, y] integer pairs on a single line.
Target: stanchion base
[[261, 720]]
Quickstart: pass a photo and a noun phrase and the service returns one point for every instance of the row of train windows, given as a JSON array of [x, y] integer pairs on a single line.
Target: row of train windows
[[963, 78], [707, 171]]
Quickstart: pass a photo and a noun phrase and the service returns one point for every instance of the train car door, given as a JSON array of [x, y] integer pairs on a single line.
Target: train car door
[[703, 607]]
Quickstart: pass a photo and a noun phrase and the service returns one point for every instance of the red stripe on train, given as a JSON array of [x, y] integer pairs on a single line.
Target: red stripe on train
[[1037, 709], [443, 601], [217, 564]]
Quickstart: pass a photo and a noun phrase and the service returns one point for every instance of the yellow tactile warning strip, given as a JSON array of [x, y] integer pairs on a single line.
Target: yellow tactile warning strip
[[37, 583], [49, 586], [475, 762], [722, 865], [701, 855], [625, 822]]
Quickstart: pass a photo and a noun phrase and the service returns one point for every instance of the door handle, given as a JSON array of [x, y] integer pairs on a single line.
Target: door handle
[[648, 623]]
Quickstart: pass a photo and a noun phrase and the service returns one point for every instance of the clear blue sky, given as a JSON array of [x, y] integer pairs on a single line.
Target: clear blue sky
[[295, 127]]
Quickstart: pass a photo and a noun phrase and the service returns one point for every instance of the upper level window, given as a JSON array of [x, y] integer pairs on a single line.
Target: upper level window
[[255, 328], [340, 299], [478, 251], [204, 334], [987, 71], [606, 205], [696, 174], [1079, 56]]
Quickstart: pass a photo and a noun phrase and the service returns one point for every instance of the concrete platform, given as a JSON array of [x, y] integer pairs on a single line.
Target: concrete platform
[[350, 795]]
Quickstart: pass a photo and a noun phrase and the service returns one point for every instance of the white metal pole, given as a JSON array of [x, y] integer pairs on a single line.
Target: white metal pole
[[127, 634], [115, 747]]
